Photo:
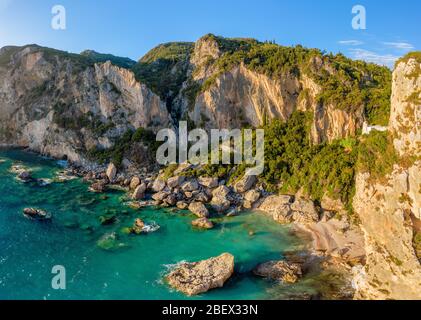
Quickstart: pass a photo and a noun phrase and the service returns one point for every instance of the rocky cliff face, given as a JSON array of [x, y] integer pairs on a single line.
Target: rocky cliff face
[[64, 105], [390, 211], [240, 96], [405, 121]]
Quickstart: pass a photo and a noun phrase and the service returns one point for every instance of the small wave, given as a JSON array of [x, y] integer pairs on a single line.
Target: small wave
[[149, 228], [171, 266], [44, 182]]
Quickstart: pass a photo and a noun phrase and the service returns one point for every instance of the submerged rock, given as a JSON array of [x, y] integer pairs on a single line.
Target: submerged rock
[[36, 214], [25, 176], [107, 220], [279, 270], [199, 277], [110, 242], [138, 226], [98, 187], [202, 223]]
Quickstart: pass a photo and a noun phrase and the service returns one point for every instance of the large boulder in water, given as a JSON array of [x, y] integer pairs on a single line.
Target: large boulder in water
[[25, 176], [98, 187], [199, 209], [199, 277], [36, 214], [139, 192], [202, 223]]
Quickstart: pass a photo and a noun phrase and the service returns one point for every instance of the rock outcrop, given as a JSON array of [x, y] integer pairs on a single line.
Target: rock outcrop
[[199, 209], [111, 172], [405, 120], [284, 210], [64, 105], [390, 210], [240, 96], [280, 271], [199, 277]]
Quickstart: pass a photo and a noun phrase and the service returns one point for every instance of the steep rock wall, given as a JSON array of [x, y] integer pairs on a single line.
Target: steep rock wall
[[51, 103], [391, 211]]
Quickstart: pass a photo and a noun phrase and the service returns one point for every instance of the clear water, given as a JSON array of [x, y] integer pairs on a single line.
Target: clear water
[[29, 249]]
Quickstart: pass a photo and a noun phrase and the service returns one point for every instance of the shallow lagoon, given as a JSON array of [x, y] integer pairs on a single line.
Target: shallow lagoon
[[29, 249]]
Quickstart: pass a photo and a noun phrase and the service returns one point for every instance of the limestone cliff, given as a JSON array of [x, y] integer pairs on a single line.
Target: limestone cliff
[[390, 211], [63, 105], [225, 94]]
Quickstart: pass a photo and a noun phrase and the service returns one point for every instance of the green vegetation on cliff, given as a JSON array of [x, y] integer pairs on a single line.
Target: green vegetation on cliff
[[6, 54], [292, 163], [376, 155], [345, 83], [411, 55], [164, 68], [102, 57], [123, 145]]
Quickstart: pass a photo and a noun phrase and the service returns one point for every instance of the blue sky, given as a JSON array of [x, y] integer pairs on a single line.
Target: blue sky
[[132, 27]]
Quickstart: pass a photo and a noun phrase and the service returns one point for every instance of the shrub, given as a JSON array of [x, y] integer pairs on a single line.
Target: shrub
[[376, 155]]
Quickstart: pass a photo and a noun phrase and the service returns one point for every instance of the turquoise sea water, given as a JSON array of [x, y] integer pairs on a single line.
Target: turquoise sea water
[[29, 249]]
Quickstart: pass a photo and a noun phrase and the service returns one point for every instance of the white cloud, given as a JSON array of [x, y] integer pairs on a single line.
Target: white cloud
[[351, 42], [399, 45], [370, 56]]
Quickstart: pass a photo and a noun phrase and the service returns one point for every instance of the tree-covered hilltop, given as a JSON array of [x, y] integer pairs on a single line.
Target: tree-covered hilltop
[[80, 61], [346, 84], [164, 68], [103, 57]]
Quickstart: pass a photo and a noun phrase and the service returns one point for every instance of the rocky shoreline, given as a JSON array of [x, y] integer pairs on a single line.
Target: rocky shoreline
[[335, 242]]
